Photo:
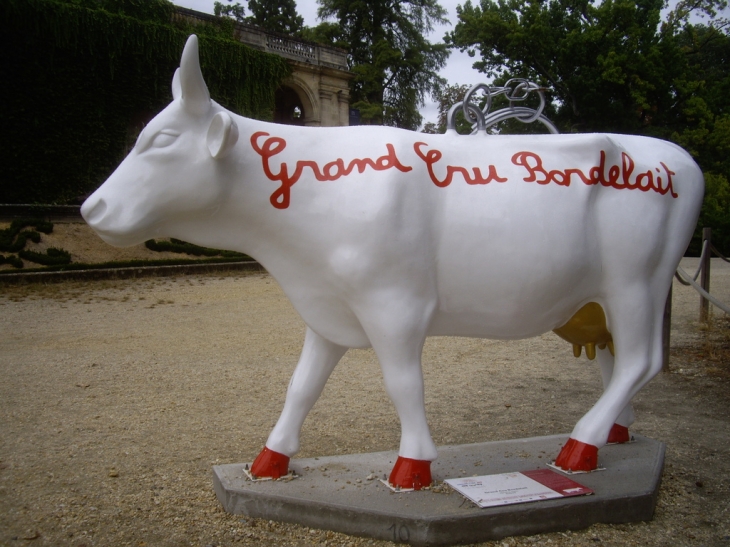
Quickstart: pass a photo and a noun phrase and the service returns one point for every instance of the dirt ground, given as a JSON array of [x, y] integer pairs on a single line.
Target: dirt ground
[[117, 397]]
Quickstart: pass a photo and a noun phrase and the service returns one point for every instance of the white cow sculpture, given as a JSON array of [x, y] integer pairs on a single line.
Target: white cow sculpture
[[381, 237]]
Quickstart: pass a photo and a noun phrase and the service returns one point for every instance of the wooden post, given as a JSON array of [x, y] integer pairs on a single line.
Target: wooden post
[[667, 330], [705, 275]]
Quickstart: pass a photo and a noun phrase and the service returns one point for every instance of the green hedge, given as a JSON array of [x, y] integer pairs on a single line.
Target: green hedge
[[12, 239], [77, 78], [52, 257], [183, 247], [76, 266]]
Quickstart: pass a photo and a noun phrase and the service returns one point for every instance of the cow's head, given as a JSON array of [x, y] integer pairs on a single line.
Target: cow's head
[[176, 170]]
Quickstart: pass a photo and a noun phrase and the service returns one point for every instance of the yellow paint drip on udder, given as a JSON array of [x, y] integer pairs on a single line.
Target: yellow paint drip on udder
[[587, 328]]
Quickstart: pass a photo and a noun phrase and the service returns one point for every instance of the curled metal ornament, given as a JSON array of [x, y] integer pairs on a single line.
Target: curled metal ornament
[[515, 90]]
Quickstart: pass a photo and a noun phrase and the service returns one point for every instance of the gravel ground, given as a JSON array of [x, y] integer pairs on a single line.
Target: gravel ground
[[117, 397]]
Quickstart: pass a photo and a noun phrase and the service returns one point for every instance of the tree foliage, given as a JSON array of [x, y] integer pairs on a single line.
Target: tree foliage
[[606, 64], [447, 97], [618, 66], [395, 66], [158, 11], [327, 33], [234, 11], [276, 16], [702, 125]]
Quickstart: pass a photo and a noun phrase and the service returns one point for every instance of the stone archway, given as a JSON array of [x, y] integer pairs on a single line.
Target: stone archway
[[295, 93], [288, 109], [323, 91]]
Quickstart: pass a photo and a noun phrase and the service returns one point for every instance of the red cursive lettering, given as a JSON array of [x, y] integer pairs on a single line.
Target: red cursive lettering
[[331, 171], [433, 156], [619, 177]]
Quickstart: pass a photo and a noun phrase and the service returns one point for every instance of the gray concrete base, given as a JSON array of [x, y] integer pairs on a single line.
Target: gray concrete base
[[334, 493]]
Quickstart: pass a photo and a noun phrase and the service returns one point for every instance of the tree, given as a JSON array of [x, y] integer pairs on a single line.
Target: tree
[[702, 125], [606, 65], [395, 66], [612, 65], [327, 33], [278, 16], [235, 11], [447, 97]]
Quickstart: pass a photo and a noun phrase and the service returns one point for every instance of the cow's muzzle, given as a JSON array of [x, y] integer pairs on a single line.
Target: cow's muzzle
[[93, 210]]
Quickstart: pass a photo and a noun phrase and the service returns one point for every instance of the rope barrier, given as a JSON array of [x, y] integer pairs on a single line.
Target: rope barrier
[[718, 253], [689, 281], [702, 259], [682, 281], [699, 268]]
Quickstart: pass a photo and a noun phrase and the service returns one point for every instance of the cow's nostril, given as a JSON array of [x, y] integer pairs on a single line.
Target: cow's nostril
[[93, 212]]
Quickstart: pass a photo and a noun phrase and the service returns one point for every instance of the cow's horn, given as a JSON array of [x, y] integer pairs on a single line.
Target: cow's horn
[[194, 92], [176, 89]]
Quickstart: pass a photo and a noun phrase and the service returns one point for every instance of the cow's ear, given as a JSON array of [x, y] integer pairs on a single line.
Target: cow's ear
[[194, 92], [222, 135]]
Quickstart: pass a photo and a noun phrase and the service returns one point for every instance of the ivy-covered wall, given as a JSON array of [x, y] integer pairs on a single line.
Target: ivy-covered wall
[[80, 77]]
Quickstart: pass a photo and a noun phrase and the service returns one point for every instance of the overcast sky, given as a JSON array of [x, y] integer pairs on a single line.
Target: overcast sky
[[458, 68]]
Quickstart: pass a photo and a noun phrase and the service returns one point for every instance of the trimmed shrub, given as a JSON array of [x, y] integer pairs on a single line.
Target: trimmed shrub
[[52, 257], [183, 247]]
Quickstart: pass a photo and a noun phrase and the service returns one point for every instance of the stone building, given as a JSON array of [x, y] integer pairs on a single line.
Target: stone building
[[318, 91]]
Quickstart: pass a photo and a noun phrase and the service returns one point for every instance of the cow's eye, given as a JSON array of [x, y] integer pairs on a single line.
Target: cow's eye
[[164, 138]]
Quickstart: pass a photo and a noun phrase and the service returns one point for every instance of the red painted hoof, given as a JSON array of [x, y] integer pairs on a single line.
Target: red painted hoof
[[270, 464], [618, 434], [577, 456], [408, 473]]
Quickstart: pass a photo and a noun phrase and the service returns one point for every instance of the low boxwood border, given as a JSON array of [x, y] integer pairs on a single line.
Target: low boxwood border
[[128, 264]]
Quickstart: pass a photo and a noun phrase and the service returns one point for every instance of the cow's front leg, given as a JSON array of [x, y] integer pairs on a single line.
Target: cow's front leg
[[317, 361], [398, 342]]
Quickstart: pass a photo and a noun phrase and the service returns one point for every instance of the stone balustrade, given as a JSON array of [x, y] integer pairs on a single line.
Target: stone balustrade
[[270, 42]]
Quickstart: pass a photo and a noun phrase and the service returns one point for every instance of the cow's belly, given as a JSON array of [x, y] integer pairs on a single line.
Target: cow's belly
[[518, 268], [506, 308], [498, 323], [513, 304], [337, 322]]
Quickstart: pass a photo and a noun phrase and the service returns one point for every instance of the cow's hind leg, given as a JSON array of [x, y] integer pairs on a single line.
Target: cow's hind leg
[[317, 361], [636, 326], [620, 430]]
